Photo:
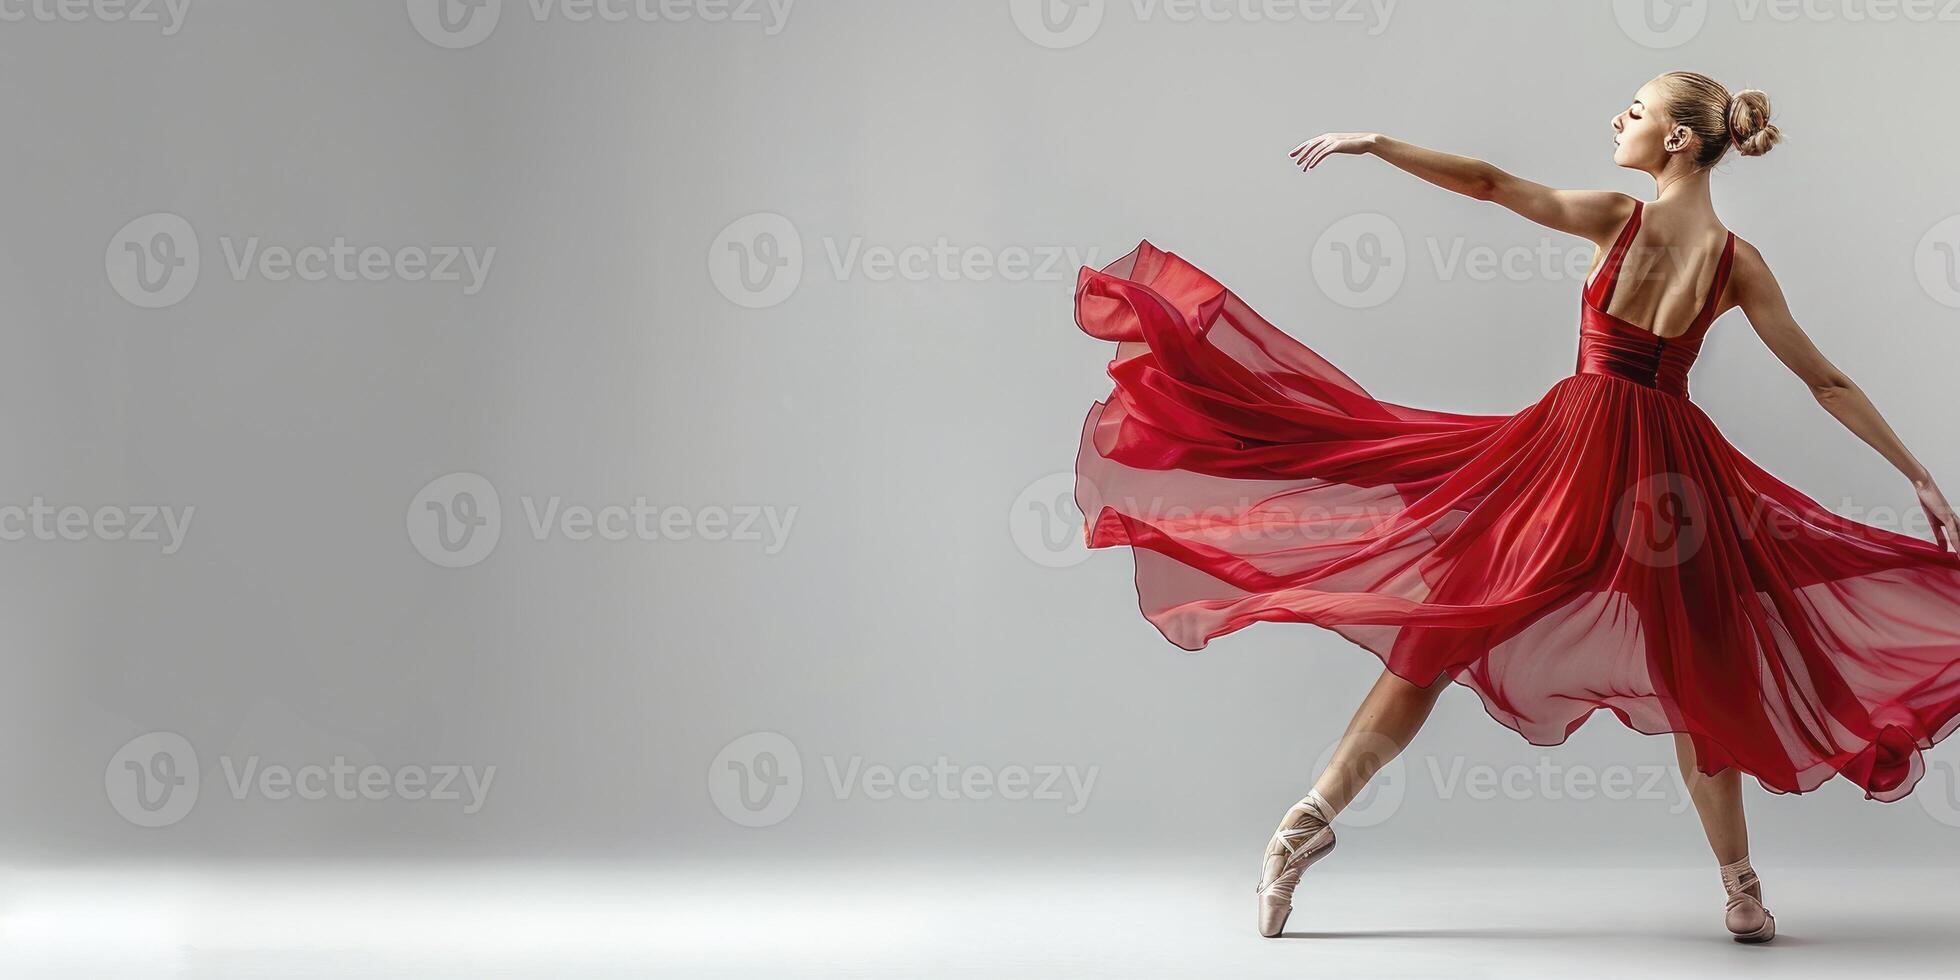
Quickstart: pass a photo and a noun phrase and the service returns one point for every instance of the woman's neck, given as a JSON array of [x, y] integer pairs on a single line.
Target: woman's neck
[[1690, 187]]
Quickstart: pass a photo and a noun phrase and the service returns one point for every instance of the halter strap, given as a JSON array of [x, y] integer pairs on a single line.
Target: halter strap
[[1707, 314], [1608, 275]]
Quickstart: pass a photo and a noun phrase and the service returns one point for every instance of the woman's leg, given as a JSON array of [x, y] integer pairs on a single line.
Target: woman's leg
[[1382, 727], [1718, 800]]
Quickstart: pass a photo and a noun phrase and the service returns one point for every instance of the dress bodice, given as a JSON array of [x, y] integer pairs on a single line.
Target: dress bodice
[[1611, 345]]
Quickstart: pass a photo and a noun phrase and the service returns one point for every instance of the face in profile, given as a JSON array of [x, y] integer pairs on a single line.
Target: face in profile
[[1640, 130]]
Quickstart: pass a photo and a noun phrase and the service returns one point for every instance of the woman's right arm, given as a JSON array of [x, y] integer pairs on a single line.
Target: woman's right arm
[[1762, 301], [1594, 215]]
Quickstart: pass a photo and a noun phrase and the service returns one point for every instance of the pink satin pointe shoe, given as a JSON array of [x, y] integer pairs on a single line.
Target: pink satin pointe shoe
[[1305, 835], [1747, 919]]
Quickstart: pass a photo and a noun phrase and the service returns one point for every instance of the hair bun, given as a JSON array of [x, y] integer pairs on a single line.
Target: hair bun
[[1749, 125]]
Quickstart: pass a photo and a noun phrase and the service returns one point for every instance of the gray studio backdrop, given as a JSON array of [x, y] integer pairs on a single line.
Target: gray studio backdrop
[[550, 429]]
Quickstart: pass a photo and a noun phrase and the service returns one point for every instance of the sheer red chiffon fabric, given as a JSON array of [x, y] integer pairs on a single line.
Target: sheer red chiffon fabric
[[1604, 547]]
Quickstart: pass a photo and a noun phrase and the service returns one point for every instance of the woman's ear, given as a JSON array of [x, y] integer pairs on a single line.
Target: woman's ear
[[1678, 140]]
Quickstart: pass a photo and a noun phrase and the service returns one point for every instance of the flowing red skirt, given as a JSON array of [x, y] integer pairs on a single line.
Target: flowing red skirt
[[1605, 547]]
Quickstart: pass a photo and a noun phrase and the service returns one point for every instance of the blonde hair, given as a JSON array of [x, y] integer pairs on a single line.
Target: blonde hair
[[1718, 119]]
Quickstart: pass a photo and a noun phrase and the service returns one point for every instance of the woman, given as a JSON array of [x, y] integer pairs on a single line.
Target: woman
[[1605, 547]]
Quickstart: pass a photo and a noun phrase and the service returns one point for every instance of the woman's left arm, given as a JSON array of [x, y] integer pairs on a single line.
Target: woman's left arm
[[1762, 301]]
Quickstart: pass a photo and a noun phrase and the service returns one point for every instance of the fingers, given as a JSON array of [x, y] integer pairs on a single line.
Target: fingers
[[1301, 152], [1946, 528], [1309, 154]]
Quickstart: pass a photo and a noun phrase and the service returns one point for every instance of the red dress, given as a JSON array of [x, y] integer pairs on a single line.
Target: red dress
[[1605, 547]]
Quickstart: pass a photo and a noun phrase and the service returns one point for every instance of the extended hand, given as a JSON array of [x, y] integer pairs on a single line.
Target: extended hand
[[1309, 154], [1946, 530]]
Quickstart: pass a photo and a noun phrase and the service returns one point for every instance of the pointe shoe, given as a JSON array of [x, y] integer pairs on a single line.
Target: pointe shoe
[[1304, 836], [1747, 919]]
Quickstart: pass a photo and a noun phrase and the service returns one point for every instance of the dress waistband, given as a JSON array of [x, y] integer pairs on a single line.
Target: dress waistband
[[1655, 364]]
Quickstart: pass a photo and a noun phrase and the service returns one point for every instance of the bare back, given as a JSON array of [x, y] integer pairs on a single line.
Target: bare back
[[1669, 268]]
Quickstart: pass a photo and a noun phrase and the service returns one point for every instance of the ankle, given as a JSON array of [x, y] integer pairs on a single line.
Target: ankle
[[1318, 806], [1738, 876]]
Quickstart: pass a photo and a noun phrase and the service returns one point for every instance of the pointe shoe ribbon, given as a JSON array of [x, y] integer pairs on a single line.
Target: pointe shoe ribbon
[[1747, 920]]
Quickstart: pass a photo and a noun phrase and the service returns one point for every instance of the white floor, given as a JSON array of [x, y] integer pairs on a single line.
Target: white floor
[[830, 920]]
